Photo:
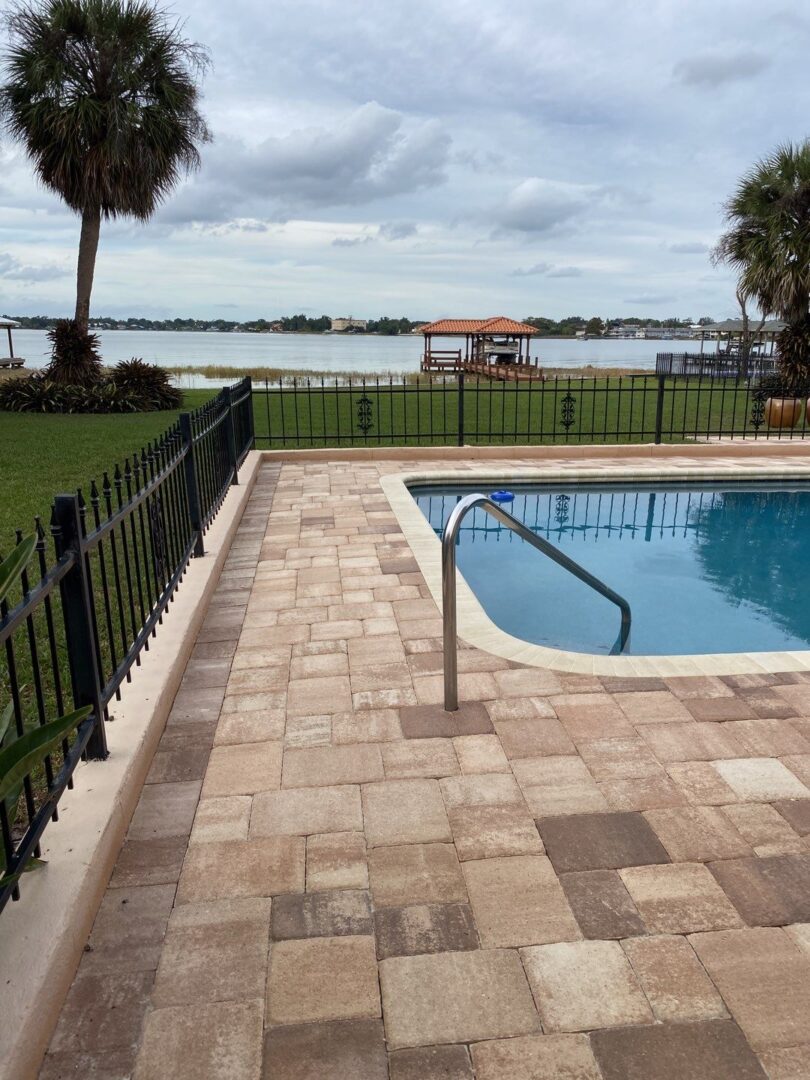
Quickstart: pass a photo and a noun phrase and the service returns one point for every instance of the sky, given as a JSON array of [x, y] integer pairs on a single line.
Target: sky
[[442, 158]]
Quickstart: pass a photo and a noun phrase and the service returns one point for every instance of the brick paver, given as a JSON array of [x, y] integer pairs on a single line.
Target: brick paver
[[328, 876]]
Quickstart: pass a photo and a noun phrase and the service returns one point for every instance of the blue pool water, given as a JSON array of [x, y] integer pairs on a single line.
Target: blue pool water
[[704, 570]]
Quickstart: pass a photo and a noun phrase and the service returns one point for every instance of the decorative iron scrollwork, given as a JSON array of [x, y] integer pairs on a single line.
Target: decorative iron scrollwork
[[561, 511], [365, 414], [158, 533], [758, 399], [568, 410]]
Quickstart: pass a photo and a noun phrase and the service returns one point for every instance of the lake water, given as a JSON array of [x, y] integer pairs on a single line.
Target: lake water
[[328, 352]]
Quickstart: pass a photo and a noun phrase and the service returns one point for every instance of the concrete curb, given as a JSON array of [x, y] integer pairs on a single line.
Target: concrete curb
[[42, 936]]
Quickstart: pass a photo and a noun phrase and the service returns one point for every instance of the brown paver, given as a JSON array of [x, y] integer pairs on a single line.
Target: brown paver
[[455, 997], [322, 978], [424, 928], [580, 985], [337, 913], [697, 834], [431, 721], [536, 1057], [715, 1049], [797, 813], [600, 841], [601, 904], [769, 891], [327, 1051], [431, 1063]]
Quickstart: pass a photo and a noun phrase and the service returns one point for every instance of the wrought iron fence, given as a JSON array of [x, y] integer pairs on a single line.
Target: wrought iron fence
[[714, 365], [430, 411], [100, 587]]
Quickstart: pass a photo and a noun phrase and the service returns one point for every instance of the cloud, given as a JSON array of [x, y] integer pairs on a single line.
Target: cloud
[[650, 298], [689, 248], [537, 205], [351, 241], [12, 269], [372, 153], [714, 69], [543, 269], [397, 230]]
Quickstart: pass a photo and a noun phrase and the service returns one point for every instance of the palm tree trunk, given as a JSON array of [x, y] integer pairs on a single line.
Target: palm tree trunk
[[88, 246]]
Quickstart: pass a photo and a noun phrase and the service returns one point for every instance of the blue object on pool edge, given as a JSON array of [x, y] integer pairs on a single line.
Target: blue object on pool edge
[[502, 496]]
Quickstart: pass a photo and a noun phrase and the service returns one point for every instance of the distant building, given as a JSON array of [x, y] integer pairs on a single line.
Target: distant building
[[342, 325]]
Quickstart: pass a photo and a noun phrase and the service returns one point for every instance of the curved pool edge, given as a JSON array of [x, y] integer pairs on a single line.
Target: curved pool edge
[[476, 627]]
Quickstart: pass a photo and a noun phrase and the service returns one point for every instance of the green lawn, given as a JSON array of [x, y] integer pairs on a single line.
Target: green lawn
[[41, 456]]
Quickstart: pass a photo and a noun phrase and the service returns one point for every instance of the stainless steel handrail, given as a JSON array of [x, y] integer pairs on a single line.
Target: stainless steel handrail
[[449, 536]]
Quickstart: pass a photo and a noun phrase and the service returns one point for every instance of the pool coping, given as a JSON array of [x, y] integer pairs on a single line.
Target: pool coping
[[478, 629]]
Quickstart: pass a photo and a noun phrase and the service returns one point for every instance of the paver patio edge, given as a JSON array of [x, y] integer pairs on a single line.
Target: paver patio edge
[[44, 934]]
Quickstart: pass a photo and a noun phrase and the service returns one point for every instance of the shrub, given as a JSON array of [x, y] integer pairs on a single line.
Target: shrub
[[38, 393], [75, 359], [146, 383]]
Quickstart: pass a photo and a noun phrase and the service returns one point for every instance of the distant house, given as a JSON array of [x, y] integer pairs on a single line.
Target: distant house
[[344, 324]]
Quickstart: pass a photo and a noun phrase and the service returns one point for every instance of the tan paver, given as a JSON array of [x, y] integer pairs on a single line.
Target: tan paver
[[518, 901], [243, 770], [761, 779], [480, 754], [558, 785], [536, 1057], [483, 832], [674, 980], [320, 766], [679, 898], [455, 997], [697, 834], [764, 980], [416, 874], [304, 811], [221, 1041], [311, 696], [404, 812], [414, 758], [580, 985], [336, 861], [263, 867], [327, 978]]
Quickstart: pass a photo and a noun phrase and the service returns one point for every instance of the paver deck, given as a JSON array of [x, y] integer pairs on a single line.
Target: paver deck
[[329, 878]]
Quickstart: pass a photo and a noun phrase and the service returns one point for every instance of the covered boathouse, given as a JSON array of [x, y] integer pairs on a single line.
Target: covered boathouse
[[496, 347]]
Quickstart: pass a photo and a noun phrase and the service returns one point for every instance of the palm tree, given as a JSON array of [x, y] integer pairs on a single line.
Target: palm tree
[[768, 243], [103, 95]]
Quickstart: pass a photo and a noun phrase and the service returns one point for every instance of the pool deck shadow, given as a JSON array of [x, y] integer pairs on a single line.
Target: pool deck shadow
[[328, 877]]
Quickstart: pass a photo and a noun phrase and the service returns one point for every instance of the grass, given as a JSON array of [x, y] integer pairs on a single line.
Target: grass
[[41, 456]]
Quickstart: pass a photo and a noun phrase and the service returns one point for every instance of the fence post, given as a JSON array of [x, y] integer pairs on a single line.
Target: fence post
[[250, 417], [461, 408], [77, 600], [230, 434], [192, 487], [659, 408]]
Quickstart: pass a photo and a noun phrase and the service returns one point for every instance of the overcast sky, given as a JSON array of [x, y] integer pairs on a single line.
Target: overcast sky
[[443, 157]]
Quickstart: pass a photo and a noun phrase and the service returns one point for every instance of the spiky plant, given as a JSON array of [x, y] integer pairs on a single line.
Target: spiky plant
[[75, 359], [103, 95], [768, 243], [147, 384]]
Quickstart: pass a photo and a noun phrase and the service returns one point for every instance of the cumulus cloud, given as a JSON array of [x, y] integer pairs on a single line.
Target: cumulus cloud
[[689, 248], [13, 270], [372, 153], [537, 205], [351, 241], [714, 69]]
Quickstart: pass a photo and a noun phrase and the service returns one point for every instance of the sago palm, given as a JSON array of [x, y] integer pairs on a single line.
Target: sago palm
[[104, 96], [768, 243]]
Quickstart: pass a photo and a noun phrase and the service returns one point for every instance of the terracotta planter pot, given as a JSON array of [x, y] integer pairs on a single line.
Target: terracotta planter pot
[[783, 412]]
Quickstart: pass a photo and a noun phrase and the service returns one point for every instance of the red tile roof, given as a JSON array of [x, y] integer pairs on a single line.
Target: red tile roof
[[498, 324]]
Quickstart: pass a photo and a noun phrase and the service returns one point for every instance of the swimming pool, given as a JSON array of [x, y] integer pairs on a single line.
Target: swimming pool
[[714, 569]]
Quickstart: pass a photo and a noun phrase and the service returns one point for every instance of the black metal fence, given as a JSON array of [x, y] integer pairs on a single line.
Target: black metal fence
[[98, 590], [429, 411], [714, 365]]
